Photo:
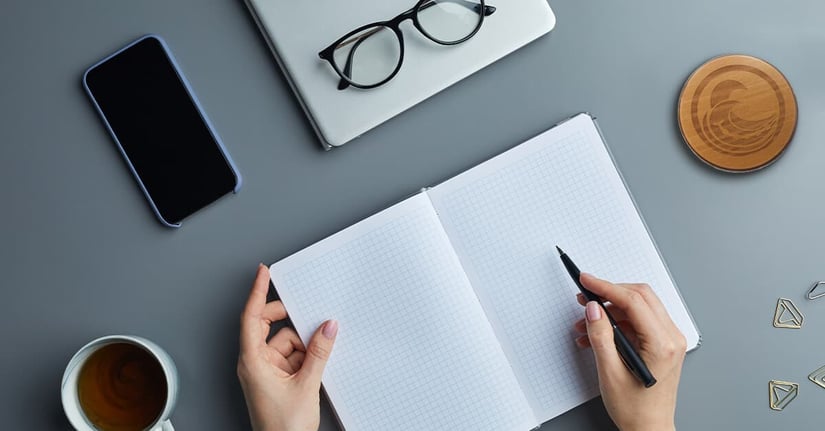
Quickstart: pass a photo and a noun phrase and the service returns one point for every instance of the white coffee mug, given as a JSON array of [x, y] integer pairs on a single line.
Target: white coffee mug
[[71, 403]]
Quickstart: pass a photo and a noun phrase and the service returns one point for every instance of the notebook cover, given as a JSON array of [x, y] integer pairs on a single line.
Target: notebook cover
[[297, 30]]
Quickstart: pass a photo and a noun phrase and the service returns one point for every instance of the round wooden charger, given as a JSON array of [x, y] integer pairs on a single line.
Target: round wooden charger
[[737, 113]]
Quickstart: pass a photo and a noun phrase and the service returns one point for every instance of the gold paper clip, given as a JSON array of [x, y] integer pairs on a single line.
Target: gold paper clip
[[787, 315], [812, 295], [781, 393], [818, 377]]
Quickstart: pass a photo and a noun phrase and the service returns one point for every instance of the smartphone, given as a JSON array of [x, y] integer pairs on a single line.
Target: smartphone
[[160, 129]]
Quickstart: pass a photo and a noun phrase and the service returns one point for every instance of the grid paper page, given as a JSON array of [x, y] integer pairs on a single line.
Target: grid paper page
[[504, 219], [415, 350]]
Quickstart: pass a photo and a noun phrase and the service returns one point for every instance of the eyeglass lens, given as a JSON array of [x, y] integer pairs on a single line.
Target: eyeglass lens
[[372, 55], [369, 56], [449, 21]]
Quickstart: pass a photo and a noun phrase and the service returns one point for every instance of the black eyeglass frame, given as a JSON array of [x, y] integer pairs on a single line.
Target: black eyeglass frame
[[394, 24]]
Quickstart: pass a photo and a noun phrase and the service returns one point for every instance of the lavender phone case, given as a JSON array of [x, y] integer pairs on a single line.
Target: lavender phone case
[[191, 93]]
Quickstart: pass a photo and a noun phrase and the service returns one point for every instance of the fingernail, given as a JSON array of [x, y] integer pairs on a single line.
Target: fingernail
[[261, 265], [330, 329], [592, 311]]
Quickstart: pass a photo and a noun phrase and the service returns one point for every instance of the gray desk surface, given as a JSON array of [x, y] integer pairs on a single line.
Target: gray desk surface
[[82, 256]]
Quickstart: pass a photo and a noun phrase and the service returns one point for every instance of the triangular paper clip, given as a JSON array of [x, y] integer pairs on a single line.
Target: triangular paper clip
[[813, 294], [818, 377], [781, 393], [787, 315]]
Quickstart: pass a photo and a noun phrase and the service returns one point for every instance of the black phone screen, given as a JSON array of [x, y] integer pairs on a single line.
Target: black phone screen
[[163, 134]]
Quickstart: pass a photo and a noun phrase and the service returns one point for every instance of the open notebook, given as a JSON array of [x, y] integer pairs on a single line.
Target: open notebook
[[455, 310]]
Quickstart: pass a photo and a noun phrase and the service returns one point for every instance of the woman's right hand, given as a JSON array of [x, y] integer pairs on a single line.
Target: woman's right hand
[[645, 321]]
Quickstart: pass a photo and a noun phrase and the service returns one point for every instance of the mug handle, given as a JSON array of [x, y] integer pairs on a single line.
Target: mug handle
[[165, 426]]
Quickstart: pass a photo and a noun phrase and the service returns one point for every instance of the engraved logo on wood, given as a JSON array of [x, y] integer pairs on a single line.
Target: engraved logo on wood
[[737, 113]]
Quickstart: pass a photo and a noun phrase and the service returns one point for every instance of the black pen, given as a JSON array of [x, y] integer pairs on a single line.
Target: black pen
[[629, 355]]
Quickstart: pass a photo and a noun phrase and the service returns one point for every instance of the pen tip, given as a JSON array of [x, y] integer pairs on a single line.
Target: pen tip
[[560, 251]]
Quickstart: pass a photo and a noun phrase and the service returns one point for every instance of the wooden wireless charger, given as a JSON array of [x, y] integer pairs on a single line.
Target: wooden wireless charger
[[737, 113]]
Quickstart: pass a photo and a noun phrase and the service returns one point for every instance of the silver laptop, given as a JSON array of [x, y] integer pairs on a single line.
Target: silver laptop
[[297, 30]]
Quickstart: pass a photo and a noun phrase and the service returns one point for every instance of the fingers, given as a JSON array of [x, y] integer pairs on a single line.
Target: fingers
[[584, 342], [581, 326], [600, 335], [273, 312], [651, 299], [631, 301], [256, 306], [286, 341], [317, 353], [289, 365], [617, 313], [295, 360], [251, 317], [257, 296]]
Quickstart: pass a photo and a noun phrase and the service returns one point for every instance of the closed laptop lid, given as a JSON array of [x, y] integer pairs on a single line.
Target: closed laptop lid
[[298, 30]]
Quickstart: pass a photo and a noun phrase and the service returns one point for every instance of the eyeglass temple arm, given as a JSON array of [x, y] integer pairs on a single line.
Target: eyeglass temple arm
[[343, 84]]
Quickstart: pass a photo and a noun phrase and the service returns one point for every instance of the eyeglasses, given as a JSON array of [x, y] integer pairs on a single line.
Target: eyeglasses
[[371, 55]]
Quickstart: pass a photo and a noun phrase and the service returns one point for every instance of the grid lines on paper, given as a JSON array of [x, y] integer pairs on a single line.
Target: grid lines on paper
[[414, 350], [505, 227]]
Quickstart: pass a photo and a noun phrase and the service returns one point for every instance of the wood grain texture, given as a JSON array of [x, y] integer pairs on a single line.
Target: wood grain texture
[[737, 113]]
